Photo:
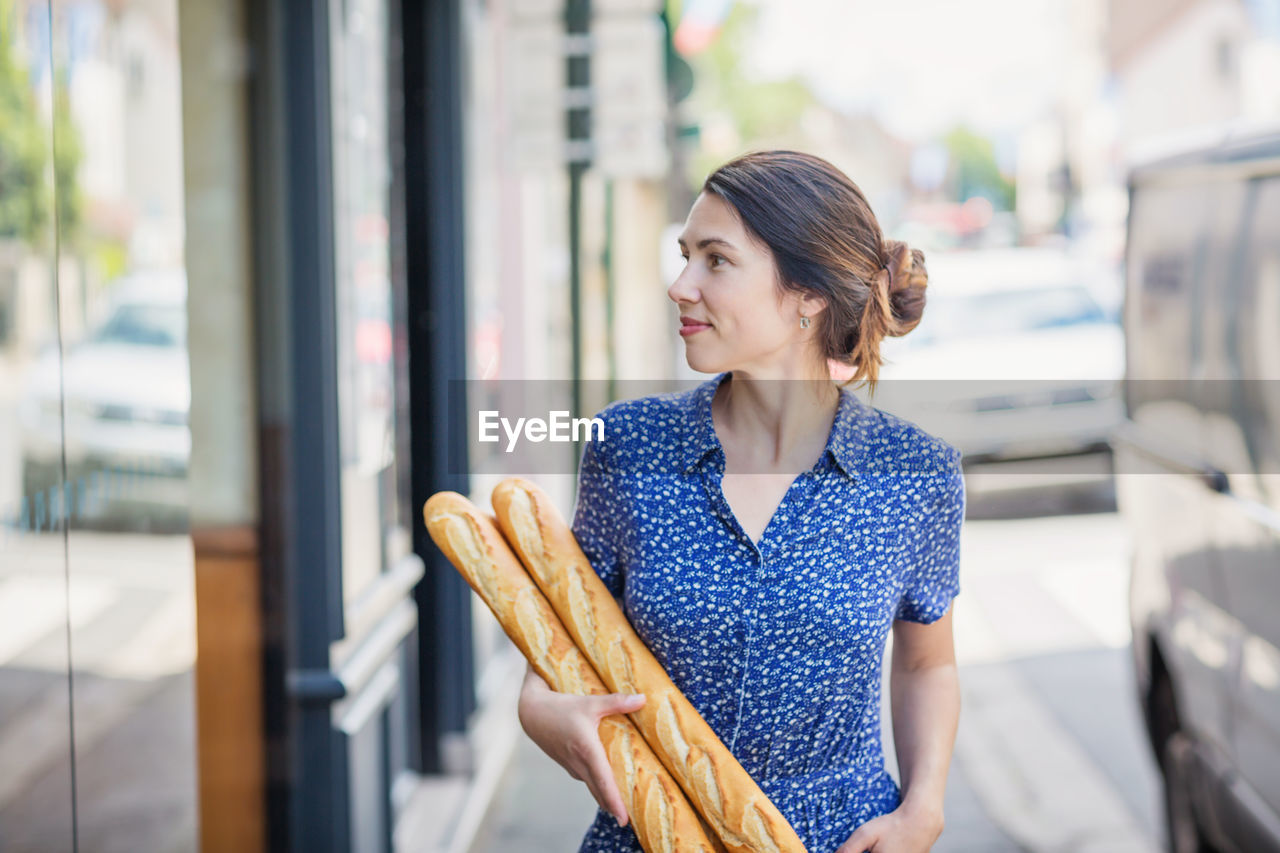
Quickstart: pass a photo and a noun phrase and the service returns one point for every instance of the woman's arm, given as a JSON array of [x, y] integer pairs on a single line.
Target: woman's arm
[[924, 693], [567, 728]]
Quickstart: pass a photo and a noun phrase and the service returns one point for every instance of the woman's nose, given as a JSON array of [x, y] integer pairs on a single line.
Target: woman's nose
[[682, 289]]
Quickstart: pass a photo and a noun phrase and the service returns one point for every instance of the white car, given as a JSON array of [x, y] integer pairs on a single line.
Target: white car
[[1015, 357], [126, 389]]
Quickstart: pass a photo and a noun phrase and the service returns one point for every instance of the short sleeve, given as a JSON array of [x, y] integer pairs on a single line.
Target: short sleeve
[[595, 517], [934, 571]]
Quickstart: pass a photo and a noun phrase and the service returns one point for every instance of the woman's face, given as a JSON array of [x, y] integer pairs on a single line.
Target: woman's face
[[728, 287]]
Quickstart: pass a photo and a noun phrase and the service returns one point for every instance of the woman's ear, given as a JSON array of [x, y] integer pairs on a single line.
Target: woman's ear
[[812, 306]]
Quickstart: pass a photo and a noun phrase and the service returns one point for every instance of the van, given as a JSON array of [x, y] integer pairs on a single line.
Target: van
[[1197, 457]]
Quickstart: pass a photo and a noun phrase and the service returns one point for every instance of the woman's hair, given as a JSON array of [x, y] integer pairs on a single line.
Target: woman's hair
[[826, 241]]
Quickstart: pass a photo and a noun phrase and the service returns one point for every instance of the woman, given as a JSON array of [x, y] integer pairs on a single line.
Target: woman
[[765, 536]]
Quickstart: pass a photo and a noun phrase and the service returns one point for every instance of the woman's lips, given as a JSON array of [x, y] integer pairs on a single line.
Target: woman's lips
[[692, 328]]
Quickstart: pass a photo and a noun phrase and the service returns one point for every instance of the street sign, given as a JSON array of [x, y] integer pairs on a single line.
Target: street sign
[[635, 149], [535, 10], [627, 72], [629, 104], [602, 9], [626, 97], [532, 76]]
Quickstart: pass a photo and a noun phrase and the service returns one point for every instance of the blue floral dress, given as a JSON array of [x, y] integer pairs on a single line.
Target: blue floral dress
[[779, 643]]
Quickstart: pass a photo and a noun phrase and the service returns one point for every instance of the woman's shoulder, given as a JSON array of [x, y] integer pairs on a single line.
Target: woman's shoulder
[[646, 427], [895, 443]]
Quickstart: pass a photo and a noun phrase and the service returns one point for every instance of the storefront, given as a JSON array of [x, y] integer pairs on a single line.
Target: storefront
[[262, 243], [352, 178]]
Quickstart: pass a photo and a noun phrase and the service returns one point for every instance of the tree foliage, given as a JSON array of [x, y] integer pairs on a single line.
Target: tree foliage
[[763, 113], [24, 147], [974, 171], [26, 198]]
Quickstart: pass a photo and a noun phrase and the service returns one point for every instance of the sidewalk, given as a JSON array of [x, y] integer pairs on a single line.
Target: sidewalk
[[538, 808]]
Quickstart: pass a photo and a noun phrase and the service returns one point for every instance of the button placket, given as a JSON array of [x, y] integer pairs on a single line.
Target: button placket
[[712, 482], [770, 569], [750, 615], [768, 565]]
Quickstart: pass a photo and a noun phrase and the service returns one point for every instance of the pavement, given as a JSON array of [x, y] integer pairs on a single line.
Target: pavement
[[1050, 755], [129, 646]]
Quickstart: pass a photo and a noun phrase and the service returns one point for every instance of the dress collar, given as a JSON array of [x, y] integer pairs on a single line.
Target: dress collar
[[844, 444]]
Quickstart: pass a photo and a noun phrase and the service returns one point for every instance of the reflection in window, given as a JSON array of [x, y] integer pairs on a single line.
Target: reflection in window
[[96, 580], [145, 325], [362, 183]]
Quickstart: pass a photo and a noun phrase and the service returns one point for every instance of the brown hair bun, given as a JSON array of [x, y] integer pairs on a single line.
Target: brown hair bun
[[908, 278]]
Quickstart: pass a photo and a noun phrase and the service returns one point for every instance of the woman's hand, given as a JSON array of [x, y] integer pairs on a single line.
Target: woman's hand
[[906, 829], [925, 699], [567, 728]]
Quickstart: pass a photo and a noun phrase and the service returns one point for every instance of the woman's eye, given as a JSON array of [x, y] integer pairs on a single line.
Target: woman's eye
[[714, 260]]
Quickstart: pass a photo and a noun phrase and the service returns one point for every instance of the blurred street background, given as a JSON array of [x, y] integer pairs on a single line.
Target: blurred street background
[[259, 261]]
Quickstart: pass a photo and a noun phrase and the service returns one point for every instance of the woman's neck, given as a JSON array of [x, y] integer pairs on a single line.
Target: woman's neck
[[772, 425]]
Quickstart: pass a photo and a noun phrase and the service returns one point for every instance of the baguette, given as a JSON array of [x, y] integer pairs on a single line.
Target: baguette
[[662, 818], [717, 784]]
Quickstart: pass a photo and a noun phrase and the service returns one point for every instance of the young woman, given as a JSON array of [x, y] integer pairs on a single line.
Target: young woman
[[766, 530]]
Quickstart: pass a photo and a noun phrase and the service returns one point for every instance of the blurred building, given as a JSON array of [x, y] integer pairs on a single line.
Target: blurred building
[[222, 624], [1069, 170], [1138, 72], [860, 145], [1177, 63]]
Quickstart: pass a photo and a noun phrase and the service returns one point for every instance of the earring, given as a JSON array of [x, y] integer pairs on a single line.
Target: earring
[[804, 322]]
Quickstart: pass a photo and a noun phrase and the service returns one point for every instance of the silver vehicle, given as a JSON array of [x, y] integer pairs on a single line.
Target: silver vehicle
[[1198, 460], [1017, 355], [127, 390]]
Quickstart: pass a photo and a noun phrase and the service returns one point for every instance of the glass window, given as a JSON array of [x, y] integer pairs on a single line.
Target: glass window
[[372, 534], [36, 797], [1259, 317], [96, 576], [1166, 243]]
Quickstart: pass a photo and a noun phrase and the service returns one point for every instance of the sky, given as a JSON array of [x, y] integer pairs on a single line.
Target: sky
[[919, 65]]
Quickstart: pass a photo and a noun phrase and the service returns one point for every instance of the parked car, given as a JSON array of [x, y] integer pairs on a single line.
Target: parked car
[[1015, 357], [116, 403], [1198, 459]]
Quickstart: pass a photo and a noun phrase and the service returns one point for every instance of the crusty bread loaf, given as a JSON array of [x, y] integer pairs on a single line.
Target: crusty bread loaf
[[662, 818], [720, 788]]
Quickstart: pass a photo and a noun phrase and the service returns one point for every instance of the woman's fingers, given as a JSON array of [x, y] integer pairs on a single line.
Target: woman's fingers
[[862, 840], [585, 759], [617, 703], [608, 795]]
